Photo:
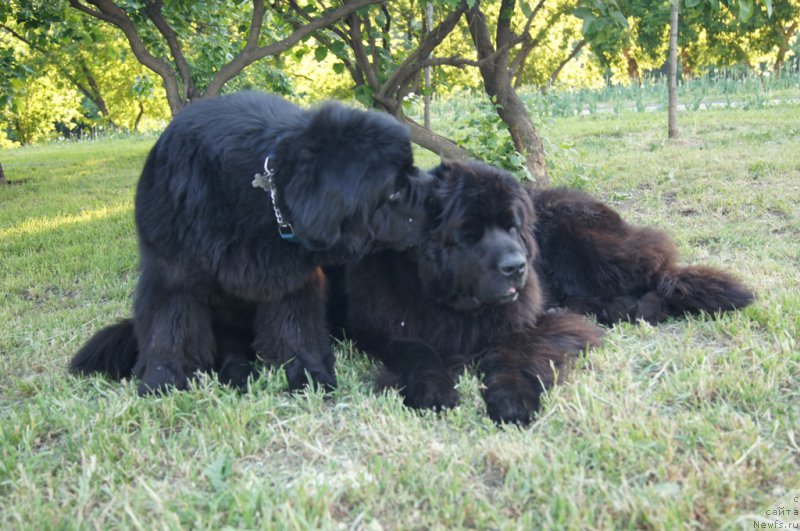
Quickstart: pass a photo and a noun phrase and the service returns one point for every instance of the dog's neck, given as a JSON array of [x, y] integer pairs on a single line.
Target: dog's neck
[[266, 182]]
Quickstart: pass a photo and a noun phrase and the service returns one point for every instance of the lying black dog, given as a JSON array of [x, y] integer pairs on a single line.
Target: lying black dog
[[475, 291], [240, 202], [467, 294]]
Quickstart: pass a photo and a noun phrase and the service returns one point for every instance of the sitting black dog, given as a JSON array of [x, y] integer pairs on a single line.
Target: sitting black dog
[[240, 202]]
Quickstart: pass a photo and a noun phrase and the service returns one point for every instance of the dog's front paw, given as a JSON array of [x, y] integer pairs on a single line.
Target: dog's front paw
[[430, 388], [513, 404], [297, 375], [161, 378], [235, 372]]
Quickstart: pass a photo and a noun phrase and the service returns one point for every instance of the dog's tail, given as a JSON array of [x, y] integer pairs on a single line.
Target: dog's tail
[[111, 351], [695, 289]]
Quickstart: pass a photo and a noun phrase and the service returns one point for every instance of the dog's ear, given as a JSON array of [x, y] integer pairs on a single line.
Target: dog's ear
[[317, 206], [342, 162], [444, 170]]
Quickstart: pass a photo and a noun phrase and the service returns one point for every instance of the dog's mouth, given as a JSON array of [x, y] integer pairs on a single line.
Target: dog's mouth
[[468, 302], [510, 295]]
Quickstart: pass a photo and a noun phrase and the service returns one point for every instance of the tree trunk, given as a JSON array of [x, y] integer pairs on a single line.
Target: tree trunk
[[494, 68], [138, 116], [633, 67], [673, 71], [526, 140], [786, 37], [2, 175], [93, 93], [427, 97]]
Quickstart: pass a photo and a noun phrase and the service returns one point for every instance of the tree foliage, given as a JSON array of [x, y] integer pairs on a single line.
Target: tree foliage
[[633, 33], [80, 55], [196, 48], [127, 61]]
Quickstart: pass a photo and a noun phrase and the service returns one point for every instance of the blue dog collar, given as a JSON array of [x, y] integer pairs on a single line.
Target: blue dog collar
[[266, 182]]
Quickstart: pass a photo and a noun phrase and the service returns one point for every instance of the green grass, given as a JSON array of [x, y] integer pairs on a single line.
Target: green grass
[[689, 424]]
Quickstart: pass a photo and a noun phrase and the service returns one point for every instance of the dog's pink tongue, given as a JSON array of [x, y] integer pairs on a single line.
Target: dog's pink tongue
[[510, 291]]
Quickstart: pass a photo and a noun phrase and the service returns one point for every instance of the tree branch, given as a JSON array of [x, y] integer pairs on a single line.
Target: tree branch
[[249, 55], [441, 145], [504, 35], [518, 63], [75, 4], [578, 47], [386, 27], [113, 14], [411, 65], [357, 43], [373, 49], [256, 21], [355, 71], [332, 28], [480, 32], [456, 61], [529, 22], [153, 10], [93, 92], [20, 37]]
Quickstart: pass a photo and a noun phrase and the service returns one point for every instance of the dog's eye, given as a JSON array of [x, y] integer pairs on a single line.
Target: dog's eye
[[510, 223], [471, 232]]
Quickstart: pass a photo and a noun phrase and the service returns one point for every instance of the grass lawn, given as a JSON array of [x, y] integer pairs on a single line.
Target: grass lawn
[[695, 423]]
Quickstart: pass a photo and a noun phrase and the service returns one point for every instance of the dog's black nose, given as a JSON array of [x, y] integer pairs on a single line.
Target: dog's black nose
[[512, 264]]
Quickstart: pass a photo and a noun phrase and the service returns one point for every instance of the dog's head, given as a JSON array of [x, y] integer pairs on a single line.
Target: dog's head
[[348, 182], [480, 247]]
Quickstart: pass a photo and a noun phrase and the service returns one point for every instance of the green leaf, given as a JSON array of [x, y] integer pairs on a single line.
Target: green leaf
[[526, 8], [364, 95], [619, 18], [338, 68], [320, 53], [768, 3], [337, 47], [691, 4], [583, 13], [588, 26], [746, 9]]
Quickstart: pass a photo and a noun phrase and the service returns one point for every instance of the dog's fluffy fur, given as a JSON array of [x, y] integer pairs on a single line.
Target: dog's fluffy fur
[[218, 284], [468, 294], [593, 262], [463, 296]]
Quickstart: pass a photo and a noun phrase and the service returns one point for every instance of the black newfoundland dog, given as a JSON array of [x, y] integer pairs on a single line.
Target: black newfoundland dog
[[468, 294], [593, 262], [240, 202], [496, 257]]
